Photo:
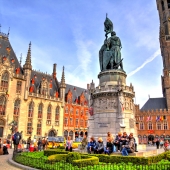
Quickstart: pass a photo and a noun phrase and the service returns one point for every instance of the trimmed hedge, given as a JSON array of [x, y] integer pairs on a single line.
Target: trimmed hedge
[[71, 156], [54, 151], [57, 157], [90, 160], [132, 159]]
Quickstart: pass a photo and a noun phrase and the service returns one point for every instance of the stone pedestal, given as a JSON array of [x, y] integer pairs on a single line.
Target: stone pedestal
[[113, 105]]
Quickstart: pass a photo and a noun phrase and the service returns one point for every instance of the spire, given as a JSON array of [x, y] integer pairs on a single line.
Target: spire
[[27, 64], [63, 84]]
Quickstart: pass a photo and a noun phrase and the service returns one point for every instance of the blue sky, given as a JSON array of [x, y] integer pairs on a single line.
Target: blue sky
[[71, 32]]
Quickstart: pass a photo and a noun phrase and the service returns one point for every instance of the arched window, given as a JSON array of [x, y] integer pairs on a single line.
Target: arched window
[[71, 134], [165, 126], [49, 113], [2, 105], [141, 126], [163, 7], [4, 80], [40, 111], [168, 2], [16, 109], [66, 134], [57, 115], [31, 110], [66, 110], [39, 128], [159, 126], [149, 126]]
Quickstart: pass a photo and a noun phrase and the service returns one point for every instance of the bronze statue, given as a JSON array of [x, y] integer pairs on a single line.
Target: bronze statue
[[110, 52]]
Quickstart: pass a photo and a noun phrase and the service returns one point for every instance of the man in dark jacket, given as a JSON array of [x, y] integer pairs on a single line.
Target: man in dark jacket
[[16, 140]]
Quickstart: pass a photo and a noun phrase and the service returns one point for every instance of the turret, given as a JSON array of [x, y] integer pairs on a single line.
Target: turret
[[62, 87], [27, 67], [54, 71]]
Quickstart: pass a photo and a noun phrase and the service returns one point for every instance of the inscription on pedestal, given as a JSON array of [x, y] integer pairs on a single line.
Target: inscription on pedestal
[[103, 125]]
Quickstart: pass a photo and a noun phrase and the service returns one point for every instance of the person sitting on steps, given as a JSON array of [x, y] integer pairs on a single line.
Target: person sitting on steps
[[129, 147], [109, 147], [117, 141], [91, 145], [99, 146], [134, 141], [124, 140]]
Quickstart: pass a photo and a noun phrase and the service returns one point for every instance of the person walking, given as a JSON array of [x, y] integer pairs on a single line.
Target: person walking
[[157, 143], [39, 144], [28, 142], [16, 140]]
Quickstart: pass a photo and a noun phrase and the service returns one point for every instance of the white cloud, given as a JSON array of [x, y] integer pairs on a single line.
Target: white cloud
[[146, 62]]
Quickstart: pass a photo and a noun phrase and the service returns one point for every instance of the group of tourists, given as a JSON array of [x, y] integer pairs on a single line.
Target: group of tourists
[[122, 143], [163, 144], [36, 145]]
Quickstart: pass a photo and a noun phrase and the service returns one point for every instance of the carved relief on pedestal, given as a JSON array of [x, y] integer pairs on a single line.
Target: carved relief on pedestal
[[131, 123], [105, 104], [131, 105]]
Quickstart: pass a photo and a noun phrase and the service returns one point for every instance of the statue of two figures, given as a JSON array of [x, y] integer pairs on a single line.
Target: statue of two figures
[[110, 52]]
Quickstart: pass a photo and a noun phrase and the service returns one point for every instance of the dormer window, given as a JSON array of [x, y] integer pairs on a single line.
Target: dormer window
[[4, 81]]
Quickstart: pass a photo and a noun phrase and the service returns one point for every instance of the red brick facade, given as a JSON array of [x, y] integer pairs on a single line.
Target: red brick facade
[[152, 124], [75, 115]]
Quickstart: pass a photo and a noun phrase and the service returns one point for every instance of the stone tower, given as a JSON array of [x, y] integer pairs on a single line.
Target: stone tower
[[163, 7], [27, 67], [111, 102]]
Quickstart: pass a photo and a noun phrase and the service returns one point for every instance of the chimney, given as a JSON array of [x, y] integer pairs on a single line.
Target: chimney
[[54, 70]]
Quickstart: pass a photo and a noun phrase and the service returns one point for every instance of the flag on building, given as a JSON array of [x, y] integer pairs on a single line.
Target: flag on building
[[148, 118], [158, 118], [161, 118]]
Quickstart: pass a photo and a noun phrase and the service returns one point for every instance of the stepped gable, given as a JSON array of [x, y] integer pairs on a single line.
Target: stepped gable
[[154, 104], [4, 43], [38, 76], [76, 92]]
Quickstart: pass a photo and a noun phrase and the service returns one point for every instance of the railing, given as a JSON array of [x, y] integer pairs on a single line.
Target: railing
[[44, 164]]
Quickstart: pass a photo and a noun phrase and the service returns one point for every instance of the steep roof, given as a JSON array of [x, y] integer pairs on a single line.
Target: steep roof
[[38, 76], [4, 43], [76, 91], [154, 103]]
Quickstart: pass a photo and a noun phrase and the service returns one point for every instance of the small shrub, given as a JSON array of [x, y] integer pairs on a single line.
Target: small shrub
[[57, 157], [54, 151], [91, 160], [72, 156], [61, 147]]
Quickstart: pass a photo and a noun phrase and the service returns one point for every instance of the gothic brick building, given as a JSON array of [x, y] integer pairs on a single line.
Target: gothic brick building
[[31, 100], [76, 112], [153, 118]]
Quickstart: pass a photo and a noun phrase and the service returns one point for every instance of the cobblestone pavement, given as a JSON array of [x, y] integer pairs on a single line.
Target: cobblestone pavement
[[4, 165]]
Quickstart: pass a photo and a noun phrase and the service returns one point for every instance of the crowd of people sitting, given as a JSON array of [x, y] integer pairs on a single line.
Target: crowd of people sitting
[[122, 143]]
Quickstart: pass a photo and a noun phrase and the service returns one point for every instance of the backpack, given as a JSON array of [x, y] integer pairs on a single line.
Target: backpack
[[15, 137]]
